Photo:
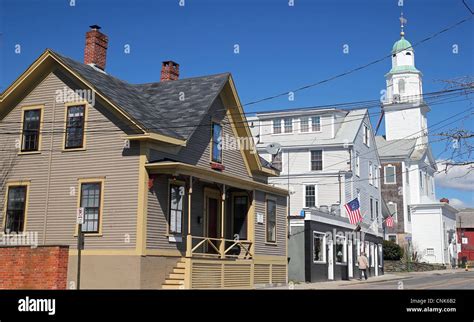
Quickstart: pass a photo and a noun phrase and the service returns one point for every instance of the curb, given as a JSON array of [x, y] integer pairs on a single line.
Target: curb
[[380, 281]]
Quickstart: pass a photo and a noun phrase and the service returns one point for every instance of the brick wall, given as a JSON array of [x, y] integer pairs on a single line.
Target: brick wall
[[23, 267]]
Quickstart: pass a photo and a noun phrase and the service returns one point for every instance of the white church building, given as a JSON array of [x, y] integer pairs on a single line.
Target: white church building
[[422, 223]]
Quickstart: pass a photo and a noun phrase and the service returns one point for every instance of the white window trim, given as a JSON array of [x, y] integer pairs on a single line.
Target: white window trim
[[324, 247], [344, 251], [273, 128], [364, 140], [284, 125], [380, 250], [357, 164], [395, 235], [320, 124], [371, 174], [376, 176], [385, 174], [315, 193], [309, 124], [322, 158], [372, 255], [371, 205]]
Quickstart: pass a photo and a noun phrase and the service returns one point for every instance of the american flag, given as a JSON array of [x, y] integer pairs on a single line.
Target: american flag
[[389, 221], [353, 210]]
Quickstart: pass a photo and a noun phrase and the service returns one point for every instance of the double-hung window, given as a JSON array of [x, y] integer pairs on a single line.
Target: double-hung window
[[176, 197], [366, 138], [16, 208], [316, 160], [372, 213], [371, 174], [271, 221], [216, 143], [91, 195], [288, 125], [276, 126], [75, 118], [31, 130], [316, 124], [357, 164], [389, 176], [304, 124], [310, 196]]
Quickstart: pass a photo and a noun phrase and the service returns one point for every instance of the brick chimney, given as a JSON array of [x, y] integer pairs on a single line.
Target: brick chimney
[[169, 71], [446, 200], [95, 51]]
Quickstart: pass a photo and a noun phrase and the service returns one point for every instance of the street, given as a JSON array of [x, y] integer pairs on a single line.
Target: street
[[452, 280], [446, 279]]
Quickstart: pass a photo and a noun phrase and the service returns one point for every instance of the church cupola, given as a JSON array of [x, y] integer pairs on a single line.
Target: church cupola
[[403, 106], [403, 80]]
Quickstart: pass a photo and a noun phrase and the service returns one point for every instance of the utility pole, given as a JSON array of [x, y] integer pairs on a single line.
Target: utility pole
[[80, 244]]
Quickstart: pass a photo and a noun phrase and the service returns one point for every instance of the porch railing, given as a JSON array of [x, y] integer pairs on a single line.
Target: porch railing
[[198, 246]]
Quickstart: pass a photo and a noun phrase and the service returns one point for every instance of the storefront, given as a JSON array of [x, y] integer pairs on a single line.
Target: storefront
[[325, 247]]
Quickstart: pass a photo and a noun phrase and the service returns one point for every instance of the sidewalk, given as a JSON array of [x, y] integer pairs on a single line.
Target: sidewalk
[[398, 276]]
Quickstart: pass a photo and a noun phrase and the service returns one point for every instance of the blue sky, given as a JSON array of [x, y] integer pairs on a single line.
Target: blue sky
[[281, 47]]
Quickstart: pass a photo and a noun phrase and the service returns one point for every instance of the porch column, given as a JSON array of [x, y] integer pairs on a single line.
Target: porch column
[[189, 239], [222, 244]]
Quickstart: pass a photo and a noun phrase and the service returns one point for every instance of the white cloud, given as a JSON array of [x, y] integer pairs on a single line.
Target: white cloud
[[457, 177], [457, 203]]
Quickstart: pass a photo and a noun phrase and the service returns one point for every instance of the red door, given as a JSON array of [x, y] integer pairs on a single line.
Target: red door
[[212, 213]]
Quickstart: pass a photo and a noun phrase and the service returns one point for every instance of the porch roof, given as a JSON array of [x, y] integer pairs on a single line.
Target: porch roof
[[172, 167]]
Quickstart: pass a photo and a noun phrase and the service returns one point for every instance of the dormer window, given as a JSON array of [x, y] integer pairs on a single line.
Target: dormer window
[[276, 126], [408, 53], [288, 125], [304, 124], [216, 153], [316, 123]]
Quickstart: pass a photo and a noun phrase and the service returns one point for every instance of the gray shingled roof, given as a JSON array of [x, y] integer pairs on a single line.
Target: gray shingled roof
[[157, 106], [394, 148]]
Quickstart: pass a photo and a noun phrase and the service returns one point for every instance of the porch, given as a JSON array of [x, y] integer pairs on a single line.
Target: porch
[[210, 220]]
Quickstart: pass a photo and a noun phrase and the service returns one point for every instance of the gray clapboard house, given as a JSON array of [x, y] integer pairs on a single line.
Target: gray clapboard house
[[166, 205]]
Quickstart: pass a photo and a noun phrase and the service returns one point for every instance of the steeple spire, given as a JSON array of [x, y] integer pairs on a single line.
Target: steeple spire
[[403, 21]]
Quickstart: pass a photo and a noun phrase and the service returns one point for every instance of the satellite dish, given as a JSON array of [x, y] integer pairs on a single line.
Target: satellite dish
[[273, 148]]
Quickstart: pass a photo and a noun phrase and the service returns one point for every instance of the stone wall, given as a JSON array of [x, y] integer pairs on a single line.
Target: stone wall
[[401, 266]]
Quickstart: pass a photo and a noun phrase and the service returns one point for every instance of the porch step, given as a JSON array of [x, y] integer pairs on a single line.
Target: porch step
[[176, 276], [179, 270], [170, 287], [180, 265], [174, 282], [175, 279]]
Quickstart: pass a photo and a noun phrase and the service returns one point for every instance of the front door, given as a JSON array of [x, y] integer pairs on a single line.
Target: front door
[[212, 217], [212, 213]]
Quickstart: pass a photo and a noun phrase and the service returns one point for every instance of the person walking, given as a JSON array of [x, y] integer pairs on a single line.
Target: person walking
[[363, 265]]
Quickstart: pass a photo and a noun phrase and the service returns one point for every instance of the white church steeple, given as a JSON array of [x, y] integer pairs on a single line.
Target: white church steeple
[[405, 111]]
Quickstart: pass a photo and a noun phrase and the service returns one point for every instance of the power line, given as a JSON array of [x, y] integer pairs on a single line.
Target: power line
[[106, 129]]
